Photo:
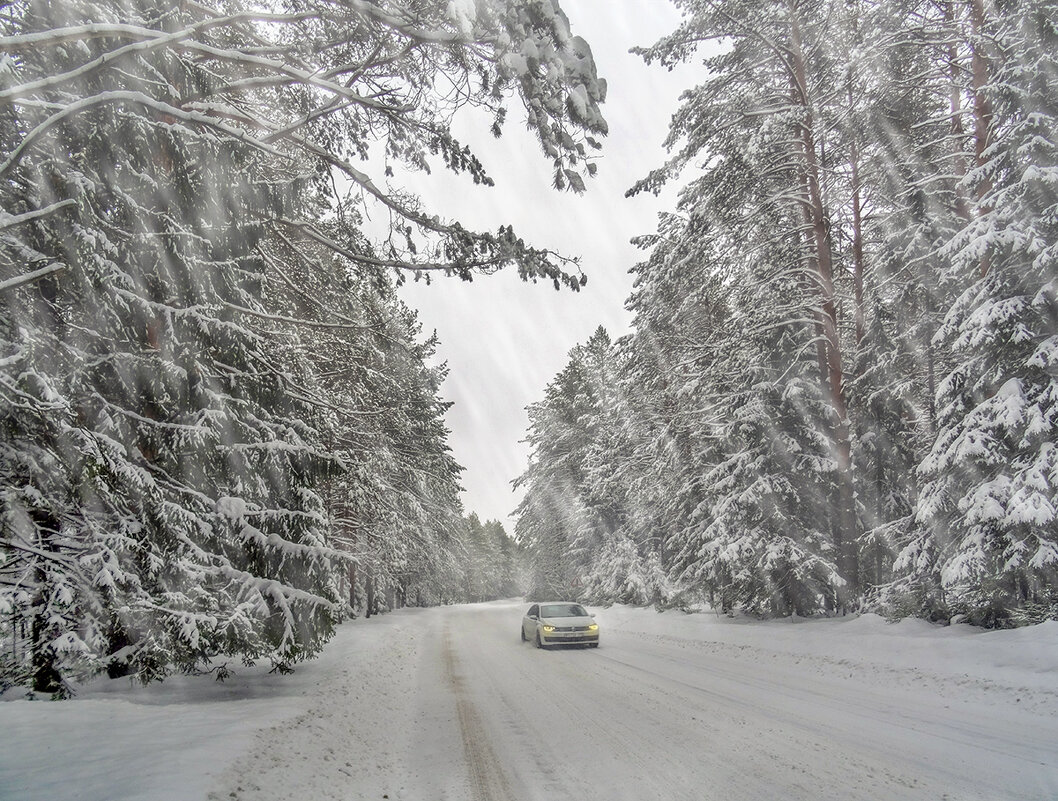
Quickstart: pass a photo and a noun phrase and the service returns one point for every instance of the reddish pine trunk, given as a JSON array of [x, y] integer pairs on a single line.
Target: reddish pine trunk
[[982, 108], [962, 206], [858, 265], [844, 528]]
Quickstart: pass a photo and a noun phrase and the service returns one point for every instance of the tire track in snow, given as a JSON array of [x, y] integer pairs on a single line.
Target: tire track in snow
[[488, 781]]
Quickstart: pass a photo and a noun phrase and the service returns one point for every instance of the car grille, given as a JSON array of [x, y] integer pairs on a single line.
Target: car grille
[[571, 628]]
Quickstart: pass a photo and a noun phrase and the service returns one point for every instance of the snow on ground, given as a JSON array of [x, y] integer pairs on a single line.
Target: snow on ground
[[434, 704]]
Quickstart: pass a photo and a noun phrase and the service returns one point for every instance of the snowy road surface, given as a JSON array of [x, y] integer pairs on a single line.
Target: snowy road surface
[[435, 704], [458, 708]]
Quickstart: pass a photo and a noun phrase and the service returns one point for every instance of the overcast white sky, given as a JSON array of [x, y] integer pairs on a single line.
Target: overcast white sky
[[505, 340]]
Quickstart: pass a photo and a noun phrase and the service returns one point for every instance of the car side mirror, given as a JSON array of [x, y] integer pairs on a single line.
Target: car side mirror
[[592, 614], [533, 617]]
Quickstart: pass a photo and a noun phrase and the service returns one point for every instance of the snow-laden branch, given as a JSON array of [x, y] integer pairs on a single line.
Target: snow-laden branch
[[279, 318], [407, 27], [134, 98], [151, 40], [290, 75], [313, 232], [11, 220], [55, 556], [33, 42], [30, 277]]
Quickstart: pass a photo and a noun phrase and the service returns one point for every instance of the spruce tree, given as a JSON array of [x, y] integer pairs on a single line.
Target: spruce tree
[[990, 532]]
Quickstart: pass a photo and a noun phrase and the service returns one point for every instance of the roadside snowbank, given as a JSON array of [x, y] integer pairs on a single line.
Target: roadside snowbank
[[961, 658], [119, 741]]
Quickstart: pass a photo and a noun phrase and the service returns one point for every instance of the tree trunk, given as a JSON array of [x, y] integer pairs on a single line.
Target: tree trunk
[[352, 585], [931, 373], [857, 239], [370, 591], [117, 638], [962, 206], [46, 678], [857, 200], [844, 521], [982, 109]]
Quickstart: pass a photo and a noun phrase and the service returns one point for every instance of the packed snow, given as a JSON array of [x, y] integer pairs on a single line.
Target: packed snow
[[447, 703]]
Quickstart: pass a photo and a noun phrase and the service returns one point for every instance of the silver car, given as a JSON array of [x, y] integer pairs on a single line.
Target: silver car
[[560, 623]]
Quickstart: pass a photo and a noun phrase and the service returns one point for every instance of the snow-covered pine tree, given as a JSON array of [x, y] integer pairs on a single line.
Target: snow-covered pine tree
[[622, 574], [757, 541], [595, 411], [507, 570], [576, 521], [152, 156], [903, 202], [552, 514], [744, 387], [408, 532], [758, 131], [625, 553], [761, 240], [190, 476], [477, 561], [889, 426], [489, 565], [556, 523], [392, 500], [989, 536], [39, 574], [670, 382]]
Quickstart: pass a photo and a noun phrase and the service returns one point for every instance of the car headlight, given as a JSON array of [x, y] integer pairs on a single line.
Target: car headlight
[[593, 627], [549, 628]]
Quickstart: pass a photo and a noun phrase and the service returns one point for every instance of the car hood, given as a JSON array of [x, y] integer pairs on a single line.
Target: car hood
[[567, 621]]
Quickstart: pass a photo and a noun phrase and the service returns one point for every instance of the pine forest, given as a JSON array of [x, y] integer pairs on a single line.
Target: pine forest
[[222, 430], [841, 390]]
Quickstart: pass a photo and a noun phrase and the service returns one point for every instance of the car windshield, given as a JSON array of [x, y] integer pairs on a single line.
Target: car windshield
[[563, 610]]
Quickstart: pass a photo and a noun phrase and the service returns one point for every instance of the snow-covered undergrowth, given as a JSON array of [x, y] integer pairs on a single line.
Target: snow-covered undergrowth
[[193, 738], [163, 742]]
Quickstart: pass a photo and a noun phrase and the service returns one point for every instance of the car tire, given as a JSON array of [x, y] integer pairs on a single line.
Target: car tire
[[522, 632], [593, 645], [539, 642]]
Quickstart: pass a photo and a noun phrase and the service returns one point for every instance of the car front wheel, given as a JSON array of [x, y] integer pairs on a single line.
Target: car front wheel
[[539, 642], [522, 632]]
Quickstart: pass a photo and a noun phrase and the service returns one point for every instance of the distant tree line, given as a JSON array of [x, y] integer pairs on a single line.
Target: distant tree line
[[483, 563], [493, 566], [220, 429], [842, 386]]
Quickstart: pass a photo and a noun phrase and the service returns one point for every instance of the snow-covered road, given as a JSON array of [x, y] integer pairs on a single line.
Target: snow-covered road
[[451, 705], [436, 704]]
